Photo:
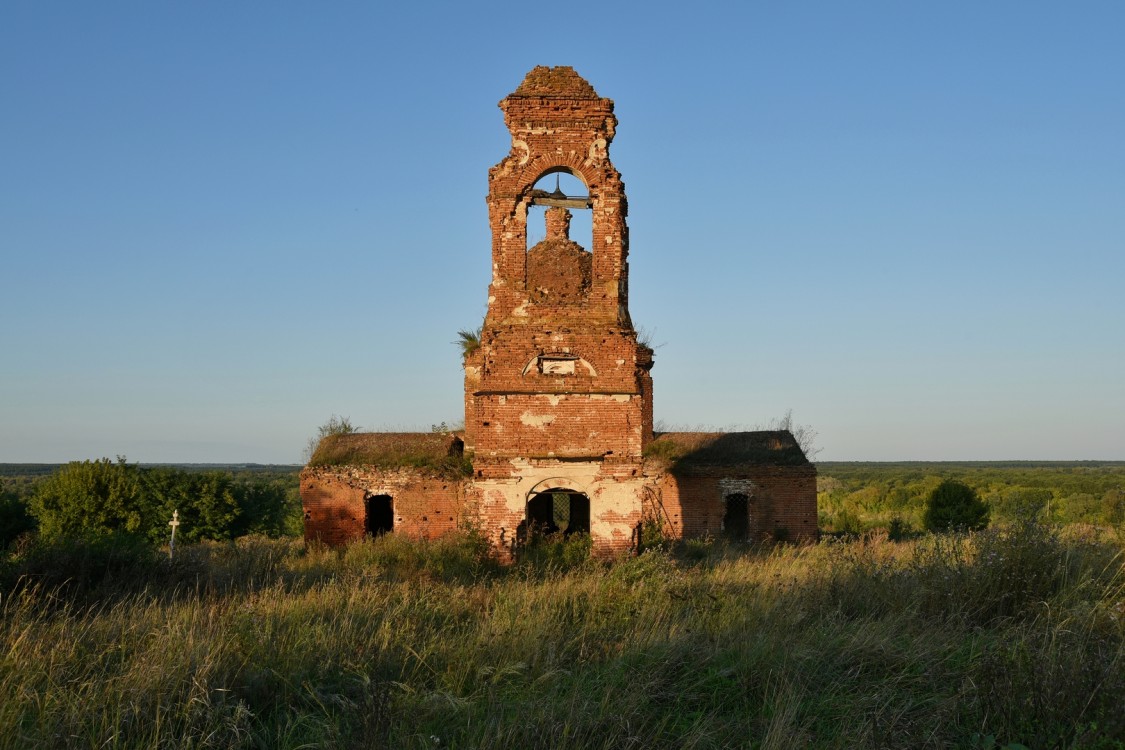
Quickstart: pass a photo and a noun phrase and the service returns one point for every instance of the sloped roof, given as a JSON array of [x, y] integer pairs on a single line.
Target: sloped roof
[[561, 82], [438, 452], [692, 451]]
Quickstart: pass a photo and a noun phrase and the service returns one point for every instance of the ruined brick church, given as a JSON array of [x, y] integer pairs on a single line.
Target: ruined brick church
[[558, 433]]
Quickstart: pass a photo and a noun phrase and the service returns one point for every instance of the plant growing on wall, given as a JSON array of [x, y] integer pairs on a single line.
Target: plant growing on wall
[[334, 426], [804, 434], [469, 340]]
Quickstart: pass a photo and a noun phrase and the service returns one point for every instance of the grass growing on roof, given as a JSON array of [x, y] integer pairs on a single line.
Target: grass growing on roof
[[436, 452]]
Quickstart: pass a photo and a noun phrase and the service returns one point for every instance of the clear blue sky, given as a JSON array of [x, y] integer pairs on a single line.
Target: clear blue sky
[[223, 222]]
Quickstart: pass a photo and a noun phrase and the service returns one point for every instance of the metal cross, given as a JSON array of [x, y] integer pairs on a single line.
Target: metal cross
[[173, 523]]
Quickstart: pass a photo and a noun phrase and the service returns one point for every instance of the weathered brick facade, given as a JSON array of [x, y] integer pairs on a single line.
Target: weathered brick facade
[[558, 395]]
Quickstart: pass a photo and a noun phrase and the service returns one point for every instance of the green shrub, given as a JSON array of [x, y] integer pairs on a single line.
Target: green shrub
[[14, 518], [1014, 503], [898, 529], [1113, 506], [847, 522], [90, 497], [953, 505], [114, 497], [82, 563], [653, 534], [1078, 507]]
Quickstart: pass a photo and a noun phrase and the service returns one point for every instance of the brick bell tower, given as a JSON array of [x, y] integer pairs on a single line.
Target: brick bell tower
[[558, 395]]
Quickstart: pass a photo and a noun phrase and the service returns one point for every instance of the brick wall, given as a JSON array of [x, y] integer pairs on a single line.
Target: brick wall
[[782, 502], [575, 425], [333, 498], [333, 508]]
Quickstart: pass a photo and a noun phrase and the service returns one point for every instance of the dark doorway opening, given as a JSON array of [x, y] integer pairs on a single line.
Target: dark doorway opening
[[558, 511], [378, 515], [736, 517]]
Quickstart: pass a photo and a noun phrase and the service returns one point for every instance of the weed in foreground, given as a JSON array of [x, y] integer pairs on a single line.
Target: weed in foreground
[[1005, 636]]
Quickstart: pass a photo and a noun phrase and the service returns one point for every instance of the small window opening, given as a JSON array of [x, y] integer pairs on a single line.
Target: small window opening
[[457, 447], [736, 517], [379, 515]]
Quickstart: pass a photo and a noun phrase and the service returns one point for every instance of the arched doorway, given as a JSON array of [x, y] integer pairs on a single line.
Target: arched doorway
[[558, 510], [378, 515]]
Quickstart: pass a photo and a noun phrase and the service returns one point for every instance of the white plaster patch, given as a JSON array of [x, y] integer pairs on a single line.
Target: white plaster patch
[[620, 362], [521, 311], [537, 420], [597, 150], [553, 366], [554, 400]]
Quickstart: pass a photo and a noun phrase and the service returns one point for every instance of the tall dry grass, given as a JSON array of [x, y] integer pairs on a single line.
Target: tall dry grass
[[1009, 635]]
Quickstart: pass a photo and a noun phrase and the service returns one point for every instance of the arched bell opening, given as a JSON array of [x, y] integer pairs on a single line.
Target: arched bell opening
[[558, 511], [558, 188], [560, 264]]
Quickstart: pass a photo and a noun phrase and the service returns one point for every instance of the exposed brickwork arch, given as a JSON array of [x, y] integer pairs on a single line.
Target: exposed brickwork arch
[[548, 164], [556, 483]]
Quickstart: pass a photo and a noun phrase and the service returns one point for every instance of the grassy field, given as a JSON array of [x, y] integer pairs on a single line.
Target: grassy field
[[1012, 635]]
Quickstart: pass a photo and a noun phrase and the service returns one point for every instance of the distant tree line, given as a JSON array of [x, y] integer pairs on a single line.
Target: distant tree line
[[85, 499], [857, 496]]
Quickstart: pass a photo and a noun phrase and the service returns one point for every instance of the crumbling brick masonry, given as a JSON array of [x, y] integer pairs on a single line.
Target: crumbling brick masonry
[[558, 432]]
